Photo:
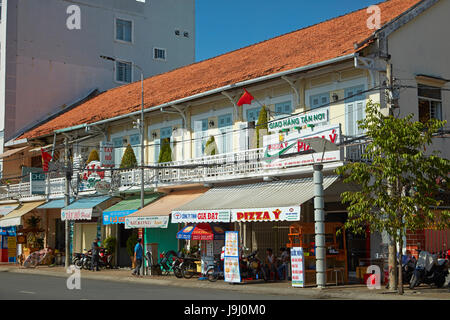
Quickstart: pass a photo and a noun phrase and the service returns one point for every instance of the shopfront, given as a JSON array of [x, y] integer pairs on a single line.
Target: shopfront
[[6, 232], [154, 219], [114, 220], [22, 230], [54, 227], [85, 217], [265, 215]]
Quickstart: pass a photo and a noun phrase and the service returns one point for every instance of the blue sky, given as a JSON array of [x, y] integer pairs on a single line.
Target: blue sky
[[227, 25]]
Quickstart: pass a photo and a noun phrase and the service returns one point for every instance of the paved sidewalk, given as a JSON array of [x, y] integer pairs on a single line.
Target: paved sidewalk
[[360, 292]]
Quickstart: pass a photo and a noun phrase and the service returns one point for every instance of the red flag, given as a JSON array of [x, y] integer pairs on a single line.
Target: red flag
[[46, 158], [245, 99]]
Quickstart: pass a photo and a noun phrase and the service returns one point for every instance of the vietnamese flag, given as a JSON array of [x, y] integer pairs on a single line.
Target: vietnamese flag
[[46, 158], [245, 99]]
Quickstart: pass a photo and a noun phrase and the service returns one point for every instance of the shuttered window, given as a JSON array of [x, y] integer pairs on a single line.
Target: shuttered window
[[123, 71], [319, 100], [283, 109], [123, 30]]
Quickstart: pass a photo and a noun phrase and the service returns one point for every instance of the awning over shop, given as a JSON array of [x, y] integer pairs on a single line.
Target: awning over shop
[[82, 209], [7, 208], [55, 204], [11, 152], [14, 218], [118, 212], [265, 201], [156, 215]]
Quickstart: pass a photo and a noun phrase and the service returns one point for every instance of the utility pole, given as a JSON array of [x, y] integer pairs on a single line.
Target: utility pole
[[319, 219], [67, 199]]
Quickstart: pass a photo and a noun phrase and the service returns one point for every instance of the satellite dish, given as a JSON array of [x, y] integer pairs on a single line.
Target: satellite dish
[[321, 145]]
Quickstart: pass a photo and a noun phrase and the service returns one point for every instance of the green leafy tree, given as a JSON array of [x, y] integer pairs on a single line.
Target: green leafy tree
[[93, 156], [398, 181], [165, 155], [128, 159], [211, 147], [131, 243], [261, 126]]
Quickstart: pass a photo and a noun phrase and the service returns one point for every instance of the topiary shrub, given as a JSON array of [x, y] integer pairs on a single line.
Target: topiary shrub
[[93, 156], [128, 159], [261, 126], [211, 147], [165, 155]]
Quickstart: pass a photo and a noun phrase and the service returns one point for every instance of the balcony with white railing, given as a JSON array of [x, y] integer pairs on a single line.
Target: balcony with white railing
[[209, 169]]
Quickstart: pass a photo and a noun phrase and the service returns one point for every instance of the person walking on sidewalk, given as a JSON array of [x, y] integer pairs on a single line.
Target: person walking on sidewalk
[[95, 255], [138, 256]]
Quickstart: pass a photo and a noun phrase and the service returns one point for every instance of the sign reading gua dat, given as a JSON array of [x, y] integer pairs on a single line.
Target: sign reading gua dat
[[266, 214], [201, 216], [310, 118]]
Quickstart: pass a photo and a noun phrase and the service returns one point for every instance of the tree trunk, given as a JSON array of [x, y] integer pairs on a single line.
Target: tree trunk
[[400, 267], [392, 265]]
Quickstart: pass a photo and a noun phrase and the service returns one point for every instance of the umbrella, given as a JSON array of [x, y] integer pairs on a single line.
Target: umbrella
[[201, 231]]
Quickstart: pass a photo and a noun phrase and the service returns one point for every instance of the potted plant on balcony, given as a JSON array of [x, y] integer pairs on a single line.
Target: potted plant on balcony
[[211, 147], [261, 126], [93, 156], [128, 159], [165, 154]]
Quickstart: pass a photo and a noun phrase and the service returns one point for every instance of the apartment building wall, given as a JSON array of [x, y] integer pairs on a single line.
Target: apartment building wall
[[420, 48], [45, 66]]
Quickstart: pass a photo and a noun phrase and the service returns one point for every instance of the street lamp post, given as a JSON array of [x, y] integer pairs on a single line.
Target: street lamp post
[[141, 125]]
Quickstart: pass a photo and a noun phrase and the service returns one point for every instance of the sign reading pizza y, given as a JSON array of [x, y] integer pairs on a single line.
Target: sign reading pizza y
[[266, 214]]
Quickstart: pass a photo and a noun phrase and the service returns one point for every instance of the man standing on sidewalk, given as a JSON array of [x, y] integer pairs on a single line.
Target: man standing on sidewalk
[[95, 255], [138, 255]]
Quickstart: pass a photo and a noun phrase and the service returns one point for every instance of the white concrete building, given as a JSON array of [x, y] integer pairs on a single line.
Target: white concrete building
[[50, 51]]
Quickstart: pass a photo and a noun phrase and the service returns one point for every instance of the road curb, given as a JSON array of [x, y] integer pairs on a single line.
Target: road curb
[[314, 293]]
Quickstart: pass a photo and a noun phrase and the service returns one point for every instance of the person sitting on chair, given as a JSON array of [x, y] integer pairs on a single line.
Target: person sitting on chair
[[269, 265]]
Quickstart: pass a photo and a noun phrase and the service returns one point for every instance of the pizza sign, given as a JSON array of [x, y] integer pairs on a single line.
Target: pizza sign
[[266, 214]]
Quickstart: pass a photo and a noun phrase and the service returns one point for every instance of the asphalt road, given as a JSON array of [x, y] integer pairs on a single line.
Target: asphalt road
[[30, 287]]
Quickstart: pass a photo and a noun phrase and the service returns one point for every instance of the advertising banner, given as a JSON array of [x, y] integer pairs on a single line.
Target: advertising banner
[[298, 267], [147, 222], [106, 154], [201, 216], [310, 118], [76, 214], [266, 214], [116, 217], [231, 257], [285, 150]]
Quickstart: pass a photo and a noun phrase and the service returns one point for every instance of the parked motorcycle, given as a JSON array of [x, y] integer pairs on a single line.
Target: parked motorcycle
[[252, 267], [429, 270], [215, 271], [166, 260], [176, 265]]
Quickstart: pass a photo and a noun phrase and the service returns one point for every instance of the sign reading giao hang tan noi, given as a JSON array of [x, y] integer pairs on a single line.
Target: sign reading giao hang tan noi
[[310, 118], [285, 150], [201, 216], [266, 214]]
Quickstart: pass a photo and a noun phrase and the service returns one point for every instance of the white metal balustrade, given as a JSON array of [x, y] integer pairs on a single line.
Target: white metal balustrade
[[236, 165]]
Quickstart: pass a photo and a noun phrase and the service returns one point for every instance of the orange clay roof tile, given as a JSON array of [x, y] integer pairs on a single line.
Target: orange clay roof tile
[[324, 41]]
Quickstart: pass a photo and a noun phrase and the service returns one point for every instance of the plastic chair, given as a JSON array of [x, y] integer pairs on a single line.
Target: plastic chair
[[336, 272]]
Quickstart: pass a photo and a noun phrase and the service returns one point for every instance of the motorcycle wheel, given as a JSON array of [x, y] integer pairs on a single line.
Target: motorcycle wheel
[[189, 270], [212, 275], [440, 282], [79, 264], [414, 282], [264, 276], [177, 272]]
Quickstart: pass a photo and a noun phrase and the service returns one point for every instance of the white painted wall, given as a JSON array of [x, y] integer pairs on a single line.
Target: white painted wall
[[422, 47]]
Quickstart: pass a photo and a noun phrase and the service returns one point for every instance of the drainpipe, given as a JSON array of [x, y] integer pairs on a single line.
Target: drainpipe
[[319, 219]]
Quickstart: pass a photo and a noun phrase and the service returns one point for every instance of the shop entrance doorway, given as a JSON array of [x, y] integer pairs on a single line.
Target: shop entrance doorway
[[60, 235], [123, 259]]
